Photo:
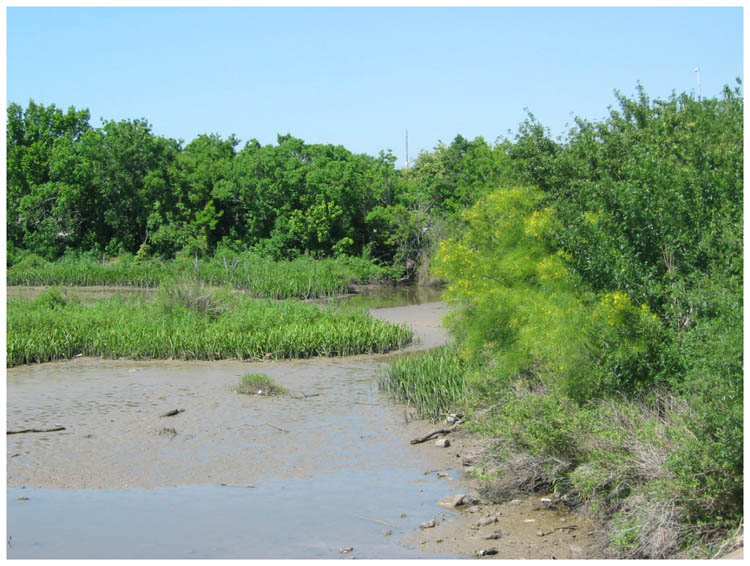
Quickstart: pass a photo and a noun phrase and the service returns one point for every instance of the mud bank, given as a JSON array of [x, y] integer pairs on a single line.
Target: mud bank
[[114, 435], [306, 475]]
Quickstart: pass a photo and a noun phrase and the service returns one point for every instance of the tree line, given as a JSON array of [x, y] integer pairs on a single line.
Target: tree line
[[121, 188]]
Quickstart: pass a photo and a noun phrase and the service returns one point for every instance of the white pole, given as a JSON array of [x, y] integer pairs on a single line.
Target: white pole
[[407, 149], [698, 77]]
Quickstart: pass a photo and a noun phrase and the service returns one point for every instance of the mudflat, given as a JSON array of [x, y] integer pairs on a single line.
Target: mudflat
[[334, 418], [115, 435]]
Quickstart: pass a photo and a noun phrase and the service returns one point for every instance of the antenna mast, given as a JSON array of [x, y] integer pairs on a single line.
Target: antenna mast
[[697, 72], [407, 149]]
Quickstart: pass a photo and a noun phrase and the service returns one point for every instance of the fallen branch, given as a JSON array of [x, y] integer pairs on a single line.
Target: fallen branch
[[54, 429], [276, 427], [173, 412], [437, 432], [300, 395], [566, 528]]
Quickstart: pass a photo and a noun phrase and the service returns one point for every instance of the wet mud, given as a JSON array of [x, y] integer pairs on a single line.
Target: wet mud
[[305, 475]]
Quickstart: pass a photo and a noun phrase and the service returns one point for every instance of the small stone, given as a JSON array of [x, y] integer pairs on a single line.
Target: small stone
[[486, 521], [540, 533], [487, 552], [493, 536], [23, 499], [529, 520], [516, 502], [346, 549], [403, 515], [452, 501], [471, 500], [428, 524], [387, 532], [442, 443], [474, 509]]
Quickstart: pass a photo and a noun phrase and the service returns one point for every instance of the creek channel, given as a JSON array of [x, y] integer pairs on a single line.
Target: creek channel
[[306, 475]]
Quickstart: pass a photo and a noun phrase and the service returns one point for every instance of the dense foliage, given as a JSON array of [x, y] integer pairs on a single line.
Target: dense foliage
[[599, 316]]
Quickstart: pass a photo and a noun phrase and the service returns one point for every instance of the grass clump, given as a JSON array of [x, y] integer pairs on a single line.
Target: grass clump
[[432, 382], [193, 296], [259, 384]]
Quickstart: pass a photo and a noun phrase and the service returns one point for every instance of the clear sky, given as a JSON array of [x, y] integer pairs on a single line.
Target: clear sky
[[360, 76]]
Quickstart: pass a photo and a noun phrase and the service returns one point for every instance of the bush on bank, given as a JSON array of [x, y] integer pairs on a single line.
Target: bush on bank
[[598, 316]]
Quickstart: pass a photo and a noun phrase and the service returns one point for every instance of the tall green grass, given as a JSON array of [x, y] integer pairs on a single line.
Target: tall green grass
[[432, 382], [223, 327], [258, 277]]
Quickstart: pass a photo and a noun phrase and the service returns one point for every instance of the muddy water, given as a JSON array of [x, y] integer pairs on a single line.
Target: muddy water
[[299, 476]]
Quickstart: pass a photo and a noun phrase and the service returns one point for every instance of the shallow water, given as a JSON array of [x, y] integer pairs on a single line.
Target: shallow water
[[123, 482], [278, 518]]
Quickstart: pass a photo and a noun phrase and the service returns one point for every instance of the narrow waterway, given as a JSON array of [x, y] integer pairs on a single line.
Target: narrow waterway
[[306, 475]]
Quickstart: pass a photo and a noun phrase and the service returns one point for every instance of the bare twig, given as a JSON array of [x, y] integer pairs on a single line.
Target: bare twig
[[54, 429], [276, 427]]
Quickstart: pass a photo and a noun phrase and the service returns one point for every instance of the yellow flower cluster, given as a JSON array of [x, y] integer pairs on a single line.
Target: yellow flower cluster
[[617, 304], [550, 268], [538, 223]]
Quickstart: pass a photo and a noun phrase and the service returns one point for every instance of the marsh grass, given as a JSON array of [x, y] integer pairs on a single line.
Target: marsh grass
[[258, 277], [243, 329], [432, 382], [259, 384]]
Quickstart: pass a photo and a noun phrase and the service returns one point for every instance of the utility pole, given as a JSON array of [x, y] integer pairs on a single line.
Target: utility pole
[[698, 77], [407, 149]]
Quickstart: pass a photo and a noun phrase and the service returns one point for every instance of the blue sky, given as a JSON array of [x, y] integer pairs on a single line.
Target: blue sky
[[360, 76]]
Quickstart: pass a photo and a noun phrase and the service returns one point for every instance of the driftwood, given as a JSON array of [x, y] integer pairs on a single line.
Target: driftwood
[[300, 395], [173, 412], [54, 429], [276, 427], [437, 432], [567, 528]]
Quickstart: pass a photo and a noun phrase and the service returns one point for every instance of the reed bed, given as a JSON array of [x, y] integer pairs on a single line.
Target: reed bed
[[432, 382], [228, 327], [258, 277]]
